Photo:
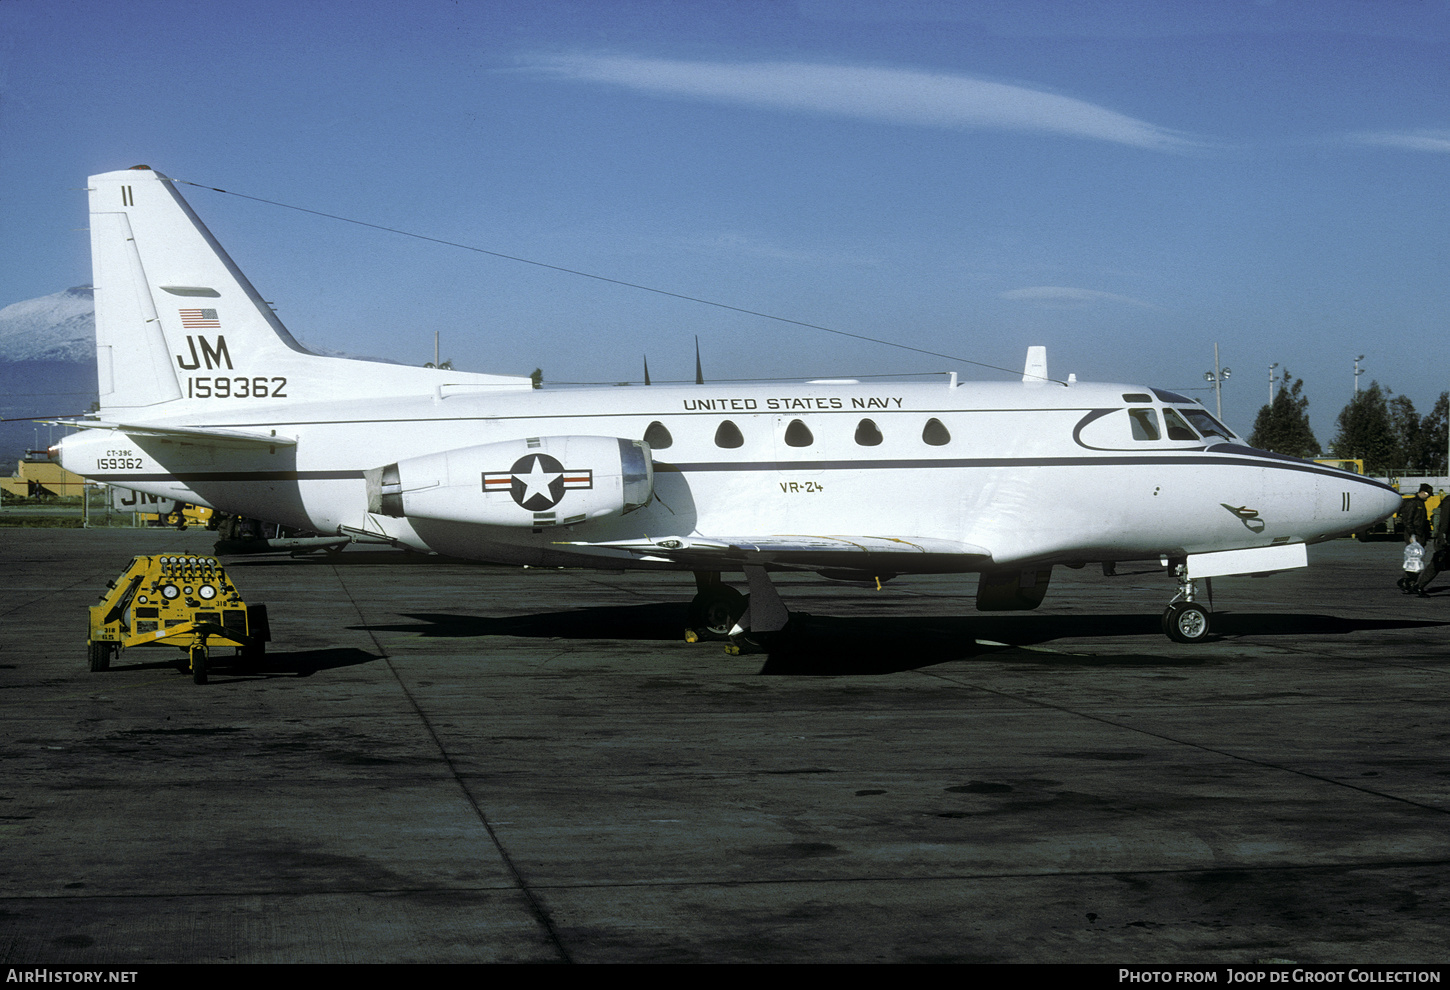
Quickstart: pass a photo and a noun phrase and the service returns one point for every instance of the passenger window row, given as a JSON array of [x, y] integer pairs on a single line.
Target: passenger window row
[[798, 434]]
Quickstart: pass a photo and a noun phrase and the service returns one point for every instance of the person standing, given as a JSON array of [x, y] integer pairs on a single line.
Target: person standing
[[1417, 530], [1435, 551]]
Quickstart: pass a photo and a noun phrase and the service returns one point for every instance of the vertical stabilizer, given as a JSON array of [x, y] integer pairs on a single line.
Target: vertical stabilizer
[[178, 322]]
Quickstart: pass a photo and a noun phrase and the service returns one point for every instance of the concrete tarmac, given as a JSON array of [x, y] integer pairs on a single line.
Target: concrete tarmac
[[444, 762]]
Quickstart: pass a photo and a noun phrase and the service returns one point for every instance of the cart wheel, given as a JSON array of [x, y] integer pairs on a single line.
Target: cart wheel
[[99, 652], [198, 664]]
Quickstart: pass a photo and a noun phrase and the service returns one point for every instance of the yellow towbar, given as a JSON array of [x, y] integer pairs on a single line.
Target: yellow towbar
[[177, 599]]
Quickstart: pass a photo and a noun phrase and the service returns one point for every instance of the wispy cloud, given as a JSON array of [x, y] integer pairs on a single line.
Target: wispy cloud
[[1418, 140], [736, 245], [1062, 297], [895, 96]]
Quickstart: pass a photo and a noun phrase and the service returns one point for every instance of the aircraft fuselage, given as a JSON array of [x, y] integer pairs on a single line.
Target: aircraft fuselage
[[1035, 473]]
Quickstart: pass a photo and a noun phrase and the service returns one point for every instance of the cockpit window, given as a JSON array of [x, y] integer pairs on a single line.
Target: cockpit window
[[1207, 425], [1145, 424], [1177, 428]]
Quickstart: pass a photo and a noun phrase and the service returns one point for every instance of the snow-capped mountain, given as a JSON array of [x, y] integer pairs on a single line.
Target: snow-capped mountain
[[57, 327], [48, 365], [62, 327]]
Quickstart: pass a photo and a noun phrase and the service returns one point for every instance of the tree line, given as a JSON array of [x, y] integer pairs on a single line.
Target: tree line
[[1377, 426]]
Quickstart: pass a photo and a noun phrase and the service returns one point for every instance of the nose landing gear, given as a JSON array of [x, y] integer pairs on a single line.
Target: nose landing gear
[[1186, 620]]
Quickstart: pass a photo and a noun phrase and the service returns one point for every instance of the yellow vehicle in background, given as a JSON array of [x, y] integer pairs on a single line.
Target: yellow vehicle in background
[[1392, 525], [182, 516], [1431, 505], [153, 510]]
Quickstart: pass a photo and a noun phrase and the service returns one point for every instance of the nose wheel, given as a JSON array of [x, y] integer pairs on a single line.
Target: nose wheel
[[1185, 622]]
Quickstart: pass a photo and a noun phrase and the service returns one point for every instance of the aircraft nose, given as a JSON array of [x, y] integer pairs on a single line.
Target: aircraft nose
[[1381, 503]]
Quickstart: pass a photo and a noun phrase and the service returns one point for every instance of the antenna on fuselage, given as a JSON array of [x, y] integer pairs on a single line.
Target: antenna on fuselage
[[1034, 372], [646, 369], [699, 372]]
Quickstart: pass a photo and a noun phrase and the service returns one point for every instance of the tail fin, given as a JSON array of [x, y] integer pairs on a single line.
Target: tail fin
[[177, 321]]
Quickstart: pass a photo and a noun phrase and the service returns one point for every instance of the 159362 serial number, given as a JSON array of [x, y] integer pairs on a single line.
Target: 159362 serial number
[[240, 387]]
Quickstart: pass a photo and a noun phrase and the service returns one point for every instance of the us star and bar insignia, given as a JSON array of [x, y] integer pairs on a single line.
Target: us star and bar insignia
[[537, 481]]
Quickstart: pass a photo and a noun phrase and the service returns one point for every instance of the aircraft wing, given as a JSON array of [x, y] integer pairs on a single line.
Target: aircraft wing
[[212, 436], [810, 552]]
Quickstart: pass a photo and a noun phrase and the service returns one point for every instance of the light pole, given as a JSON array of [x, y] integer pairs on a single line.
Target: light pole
[[1216, 378], [1272, 380], [1357, 373]]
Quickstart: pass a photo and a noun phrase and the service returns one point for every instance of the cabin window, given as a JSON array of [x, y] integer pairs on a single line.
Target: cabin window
[[658, 436], [798, 434], [936, 433], [1177, 428], [1204, 422], [728, 435], [867, 435], [1145, 424]]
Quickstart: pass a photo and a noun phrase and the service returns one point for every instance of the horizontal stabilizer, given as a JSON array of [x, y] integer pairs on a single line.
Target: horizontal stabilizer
[[210, 436]]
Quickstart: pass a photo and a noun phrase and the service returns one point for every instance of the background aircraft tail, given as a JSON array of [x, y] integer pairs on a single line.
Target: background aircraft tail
[[179, 328]]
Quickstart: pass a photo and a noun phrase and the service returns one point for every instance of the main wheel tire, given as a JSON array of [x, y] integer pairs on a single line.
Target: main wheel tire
[[714, 611], [99, 653], [198, 665], [1186, 622]]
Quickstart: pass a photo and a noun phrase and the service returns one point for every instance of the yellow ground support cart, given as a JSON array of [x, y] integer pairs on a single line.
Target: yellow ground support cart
[[180, 600]]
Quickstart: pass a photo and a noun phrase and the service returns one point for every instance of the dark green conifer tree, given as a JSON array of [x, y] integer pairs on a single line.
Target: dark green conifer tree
[[1283, 426], [1367, 432]]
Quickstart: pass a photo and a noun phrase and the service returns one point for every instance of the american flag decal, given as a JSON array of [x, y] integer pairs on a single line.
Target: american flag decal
[[199, 319]]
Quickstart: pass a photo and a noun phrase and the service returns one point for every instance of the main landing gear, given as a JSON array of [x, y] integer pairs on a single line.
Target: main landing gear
[[1186, 620], [718, 611], [715, 608]]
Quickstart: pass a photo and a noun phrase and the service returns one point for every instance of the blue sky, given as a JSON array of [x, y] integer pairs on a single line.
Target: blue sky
[[1125, 182]]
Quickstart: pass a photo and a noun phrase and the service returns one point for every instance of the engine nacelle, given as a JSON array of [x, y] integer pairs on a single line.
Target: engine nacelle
[[537, 481]]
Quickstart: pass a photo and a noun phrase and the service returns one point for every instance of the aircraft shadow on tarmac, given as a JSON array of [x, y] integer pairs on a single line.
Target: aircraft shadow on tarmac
[[221, 665], [663, 621], [355, 558], [819, 644]]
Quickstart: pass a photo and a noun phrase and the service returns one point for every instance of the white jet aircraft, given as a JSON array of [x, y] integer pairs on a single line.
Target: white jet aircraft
[[206, 398]]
